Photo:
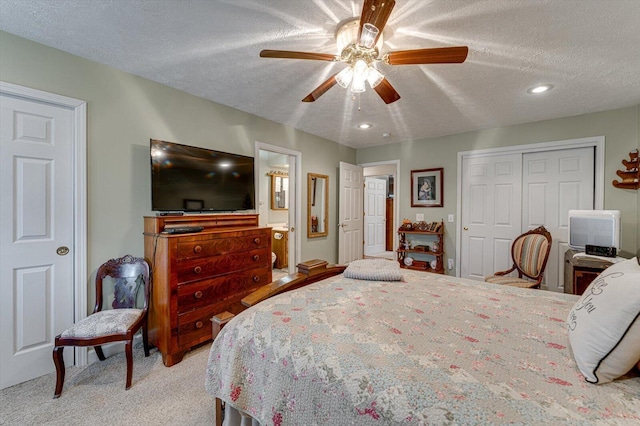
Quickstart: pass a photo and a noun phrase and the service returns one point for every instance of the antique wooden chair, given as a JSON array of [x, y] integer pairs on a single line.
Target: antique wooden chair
[[530, 253], [129, 275]]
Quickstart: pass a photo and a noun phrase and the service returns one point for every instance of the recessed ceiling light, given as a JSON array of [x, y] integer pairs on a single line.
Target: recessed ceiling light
[[536, 90], [364, 126]]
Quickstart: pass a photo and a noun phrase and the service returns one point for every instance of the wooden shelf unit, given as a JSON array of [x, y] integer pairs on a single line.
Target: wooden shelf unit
[[415, 236], [198, 275]]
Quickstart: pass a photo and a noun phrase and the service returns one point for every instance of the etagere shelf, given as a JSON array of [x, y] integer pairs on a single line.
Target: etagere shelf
[[422, 249]]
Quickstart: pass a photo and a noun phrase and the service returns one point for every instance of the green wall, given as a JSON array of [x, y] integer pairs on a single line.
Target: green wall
[[124, 112], [619, 127]]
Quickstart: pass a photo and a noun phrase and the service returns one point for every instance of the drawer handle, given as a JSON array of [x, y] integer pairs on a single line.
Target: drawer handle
[[197, 294], [256, 240], [199, 324], [256, 278], [256, 257], [197, 269], [197, 249]]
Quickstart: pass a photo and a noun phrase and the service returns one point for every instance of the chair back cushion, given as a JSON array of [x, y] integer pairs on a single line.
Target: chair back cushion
[[529, 253], [125, 283]]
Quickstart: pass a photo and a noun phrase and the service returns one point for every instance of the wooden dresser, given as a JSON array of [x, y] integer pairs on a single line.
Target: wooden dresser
[[198, 275]]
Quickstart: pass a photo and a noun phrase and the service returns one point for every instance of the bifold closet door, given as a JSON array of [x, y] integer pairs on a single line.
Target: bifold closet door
[[555, 182], [507, 194], [491, 213]]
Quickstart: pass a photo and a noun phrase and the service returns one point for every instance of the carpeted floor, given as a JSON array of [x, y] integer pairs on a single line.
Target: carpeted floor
[[95, 395]]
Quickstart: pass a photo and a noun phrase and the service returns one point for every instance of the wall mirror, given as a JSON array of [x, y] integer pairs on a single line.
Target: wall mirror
[[279, 190], [317, 205]]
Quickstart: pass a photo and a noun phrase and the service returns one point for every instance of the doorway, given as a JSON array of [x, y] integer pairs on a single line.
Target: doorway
[[283, 214], [381, 208]]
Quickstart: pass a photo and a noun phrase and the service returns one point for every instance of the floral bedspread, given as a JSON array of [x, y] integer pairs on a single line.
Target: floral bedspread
[[432, 349]]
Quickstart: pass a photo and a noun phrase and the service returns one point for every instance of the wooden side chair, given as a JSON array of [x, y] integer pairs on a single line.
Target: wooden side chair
[[530, 253], [130, 275]]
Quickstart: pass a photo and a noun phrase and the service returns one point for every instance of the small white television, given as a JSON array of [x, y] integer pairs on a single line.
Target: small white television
[[594, 227]]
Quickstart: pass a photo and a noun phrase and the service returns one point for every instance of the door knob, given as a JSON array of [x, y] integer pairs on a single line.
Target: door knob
[[62, 251], [465, 228]]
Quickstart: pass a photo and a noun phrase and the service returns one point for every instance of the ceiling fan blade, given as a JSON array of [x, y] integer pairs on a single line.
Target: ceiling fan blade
[[287, 54], [376, 12], [438, 55], [386, 91], [320, 90]]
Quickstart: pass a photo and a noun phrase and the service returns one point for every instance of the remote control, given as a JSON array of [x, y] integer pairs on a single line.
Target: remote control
[[183, 229]]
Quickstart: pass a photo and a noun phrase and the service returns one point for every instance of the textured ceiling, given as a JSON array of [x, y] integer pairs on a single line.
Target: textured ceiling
[[588, 49]]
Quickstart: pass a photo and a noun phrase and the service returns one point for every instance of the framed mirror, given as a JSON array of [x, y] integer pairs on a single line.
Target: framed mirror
[[317, 205], [279, 190]]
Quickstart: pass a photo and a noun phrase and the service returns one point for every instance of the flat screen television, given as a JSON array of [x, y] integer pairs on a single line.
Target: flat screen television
[[190, 179]]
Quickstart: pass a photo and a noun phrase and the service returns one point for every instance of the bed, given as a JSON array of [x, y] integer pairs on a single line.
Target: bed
[[430, 349]]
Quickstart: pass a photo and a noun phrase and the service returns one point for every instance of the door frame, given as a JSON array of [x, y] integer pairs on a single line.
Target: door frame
[[396, 192], [597, 142], [297, 195], [79, 170]]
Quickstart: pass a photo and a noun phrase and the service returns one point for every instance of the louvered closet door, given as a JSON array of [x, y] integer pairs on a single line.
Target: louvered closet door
[[555, 182]]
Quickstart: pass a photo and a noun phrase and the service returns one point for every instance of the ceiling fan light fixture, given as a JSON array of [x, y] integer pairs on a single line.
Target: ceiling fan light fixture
[[374, 77], [360, 74], [344, 77], [368, 35], [347, 35]]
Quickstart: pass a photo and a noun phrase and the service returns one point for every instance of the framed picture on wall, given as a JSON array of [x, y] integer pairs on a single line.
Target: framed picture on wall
[[426, 188]]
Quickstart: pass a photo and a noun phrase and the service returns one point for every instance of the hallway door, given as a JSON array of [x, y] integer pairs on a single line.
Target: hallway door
[[37, 239], [375, 194]]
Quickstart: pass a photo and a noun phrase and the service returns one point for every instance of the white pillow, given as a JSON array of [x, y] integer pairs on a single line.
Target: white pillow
[[604, 325], [374, 269]]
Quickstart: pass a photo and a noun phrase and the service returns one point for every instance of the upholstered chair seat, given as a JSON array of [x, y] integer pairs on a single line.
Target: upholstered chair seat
[[104, 323]]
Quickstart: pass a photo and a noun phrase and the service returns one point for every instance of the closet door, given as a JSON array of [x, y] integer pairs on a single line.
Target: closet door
[[491, 213], [555, 182]]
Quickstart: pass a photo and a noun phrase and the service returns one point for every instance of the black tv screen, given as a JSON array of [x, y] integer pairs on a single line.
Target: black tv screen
[[187, 178]]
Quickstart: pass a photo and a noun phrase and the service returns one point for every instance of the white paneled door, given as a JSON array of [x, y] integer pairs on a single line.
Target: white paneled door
[[553, 183], [491, 213], [375, 195], [350, 222], [36, 235], [505, 195]]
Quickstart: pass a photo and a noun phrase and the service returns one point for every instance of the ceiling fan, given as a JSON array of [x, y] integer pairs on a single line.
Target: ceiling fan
[[359, 43]]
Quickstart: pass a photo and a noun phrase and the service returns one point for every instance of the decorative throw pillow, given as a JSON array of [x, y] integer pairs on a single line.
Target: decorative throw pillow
[[604, 325], [374, 269]]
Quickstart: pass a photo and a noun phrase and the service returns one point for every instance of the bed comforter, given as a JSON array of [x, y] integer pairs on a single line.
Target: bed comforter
[[432, 349]]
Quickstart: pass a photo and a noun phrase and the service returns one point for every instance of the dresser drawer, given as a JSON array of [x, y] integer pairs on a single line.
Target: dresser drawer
[[210, 291], [195, 327], [191, 248], [205, 267]]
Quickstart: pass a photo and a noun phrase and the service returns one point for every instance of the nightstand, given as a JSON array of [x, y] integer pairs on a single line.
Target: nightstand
[[579, 272]]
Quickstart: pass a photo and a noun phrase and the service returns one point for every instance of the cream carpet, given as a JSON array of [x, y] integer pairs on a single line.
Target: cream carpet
[[95, 395]]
